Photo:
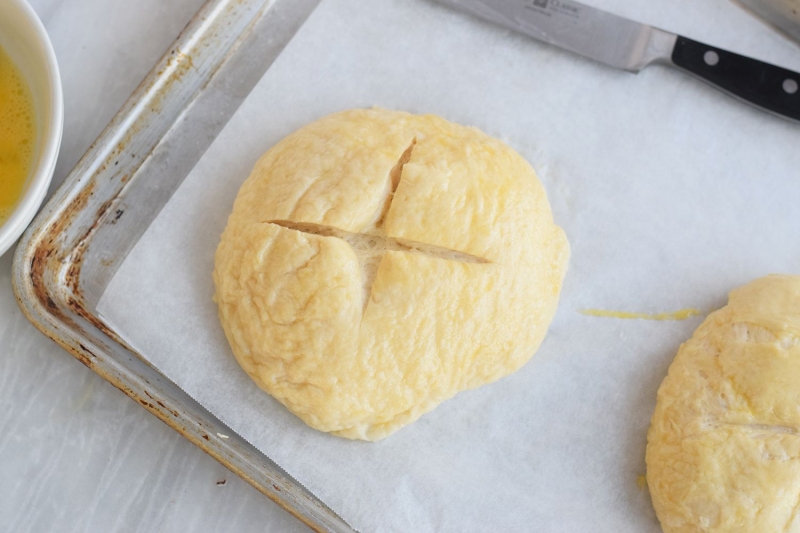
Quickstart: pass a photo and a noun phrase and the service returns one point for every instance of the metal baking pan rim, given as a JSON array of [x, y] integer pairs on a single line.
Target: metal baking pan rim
[[46, 283]]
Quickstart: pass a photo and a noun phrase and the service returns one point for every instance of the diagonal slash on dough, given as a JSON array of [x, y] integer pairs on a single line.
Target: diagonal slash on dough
[[371, 246], [379, 243]]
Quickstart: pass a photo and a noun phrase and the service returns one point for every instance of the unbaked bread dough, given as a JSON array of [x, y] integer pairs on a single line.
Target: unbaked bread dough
[[378, 262], [723, 451]]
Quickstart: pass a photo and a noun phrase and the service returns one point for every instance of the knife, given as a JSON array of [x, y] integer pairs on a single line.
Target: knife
[[629, 45]]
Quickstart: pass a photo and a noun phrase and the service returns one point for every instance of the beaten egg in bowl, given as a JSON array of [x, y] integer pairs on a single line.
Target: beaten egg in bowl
[[17, 134]]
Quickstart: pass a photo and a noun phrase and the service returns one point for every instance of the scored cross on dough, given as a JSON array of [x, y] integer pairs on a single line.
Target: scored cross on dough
[[371, 245], [377, 262]]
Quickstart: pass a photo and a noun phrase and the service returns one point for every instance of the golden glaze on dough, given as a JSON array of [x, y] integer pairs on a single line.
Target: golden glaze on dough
[[723, 450], [361, 307]]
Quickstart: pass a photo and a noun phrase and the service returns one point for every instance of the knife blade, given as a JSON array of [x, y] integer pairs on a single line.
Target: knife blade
[[625, 44]]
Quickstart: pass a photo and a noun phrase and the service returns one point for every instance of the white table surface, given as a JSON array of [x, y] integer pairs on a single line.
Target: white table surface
[[76, 454]]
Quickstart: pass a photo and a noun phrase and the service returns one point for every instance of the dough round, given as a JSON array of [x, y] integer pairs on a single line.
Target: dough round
[[723, 451], [377, 262]]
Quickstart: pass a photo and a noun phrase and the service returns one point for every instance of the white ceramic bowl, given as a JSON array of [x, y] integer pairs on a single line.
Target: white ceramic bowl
[[25, 40]]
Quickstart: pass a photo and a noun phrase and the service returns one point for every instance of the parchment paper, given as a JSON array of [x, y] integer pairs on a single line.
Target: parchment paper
[[671, 194]]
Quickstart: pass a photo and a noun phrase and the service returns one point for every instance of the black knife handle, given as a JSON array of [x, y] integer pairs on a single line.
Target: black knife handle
[[773, 88]]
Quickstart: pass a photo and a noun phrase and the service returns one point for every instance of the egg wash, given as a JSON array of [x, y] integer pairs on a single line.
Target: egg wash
[[17, 135]]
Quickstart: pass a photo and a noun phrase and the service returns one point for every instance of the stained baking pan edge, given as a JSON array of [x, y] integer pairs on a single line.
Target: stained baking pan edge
[[69, 254]]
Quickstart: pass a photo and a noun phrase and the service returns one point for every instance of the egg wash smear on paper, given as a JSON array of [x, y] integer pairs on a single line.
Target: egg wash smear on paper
[[682, 314]]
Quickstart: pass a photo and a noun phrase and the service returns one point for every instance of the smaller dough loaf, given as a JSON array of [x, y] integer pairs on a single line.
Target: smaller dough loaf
[[723, 451], [377, 262]]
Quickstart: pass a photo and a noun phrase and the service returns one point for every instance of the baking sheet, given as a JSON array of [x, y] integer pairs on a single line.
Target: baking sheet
[[671, 195]]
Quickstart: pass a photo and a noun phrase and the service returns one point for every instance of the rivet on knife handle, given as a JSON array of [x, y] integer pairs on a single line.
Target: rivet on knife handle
[[772, 88]]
